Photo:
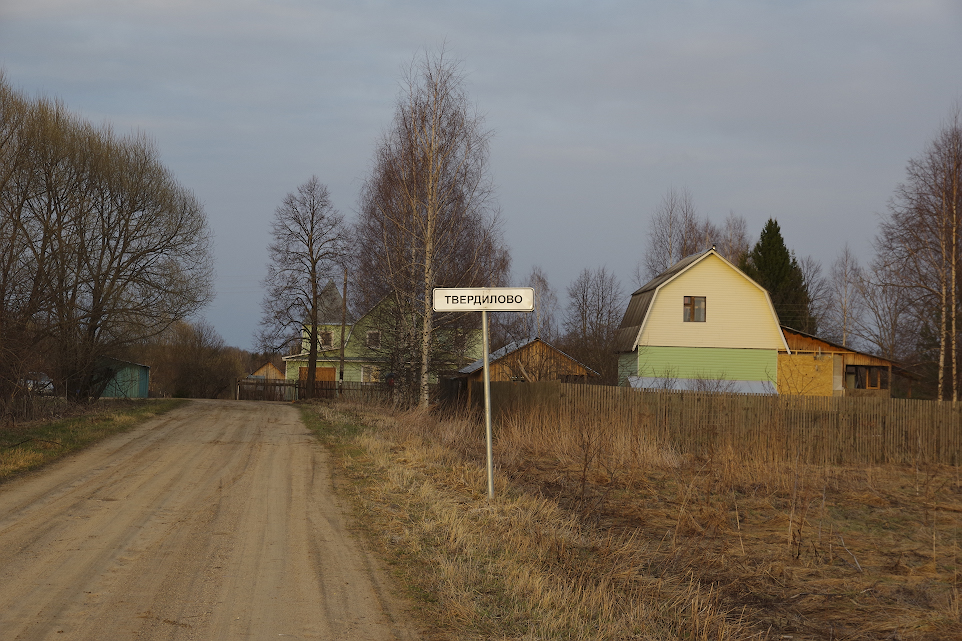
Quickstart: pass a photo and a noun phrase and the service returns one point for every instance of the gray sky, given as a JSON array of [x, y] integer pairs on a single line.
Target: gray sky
[[806, 111]]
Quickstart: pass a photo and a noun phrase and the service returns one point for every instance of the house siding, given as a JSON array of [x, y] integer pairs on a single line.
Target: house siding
[[707, 363], [807, 374], [352, 370], [627, 366], [738, 313]]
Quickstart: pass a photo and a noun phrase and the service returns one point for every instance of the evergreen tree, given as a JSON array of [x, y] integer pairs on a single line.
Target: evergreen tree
[[773, 266]]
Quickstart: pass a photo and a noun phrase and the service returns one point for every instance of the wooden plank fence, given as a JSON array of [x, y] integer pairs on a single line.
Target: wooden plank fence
[[286, 390], [819, 430]]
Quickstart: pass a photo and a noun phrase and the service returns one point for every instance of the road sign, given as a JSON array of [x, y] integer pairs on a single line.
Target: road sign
[[484, 299]]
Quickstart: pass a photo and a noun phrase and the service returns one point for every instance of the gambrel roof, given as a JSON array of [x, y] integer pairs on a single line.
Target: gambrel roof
[[633, 322]]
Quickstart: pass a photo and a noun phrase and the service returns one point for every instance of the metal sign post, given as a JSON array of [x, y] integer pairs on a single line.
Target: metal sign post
[[484, 300]]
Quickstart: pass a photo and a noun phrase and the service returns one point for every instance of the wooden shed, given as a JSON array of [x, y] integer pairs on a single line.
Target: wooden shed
[[526, 361], [125, 379], [268, 371], [817, 367]]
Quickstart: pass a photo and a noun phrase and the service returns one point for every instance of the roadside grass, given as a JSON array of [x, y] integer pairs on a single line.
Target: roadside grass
[[599, 534], [28, 446], [519, 567]]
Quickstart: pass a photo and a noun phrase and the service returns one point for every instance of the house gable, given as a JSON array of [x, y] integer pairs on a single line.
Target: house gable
[[738, 312]]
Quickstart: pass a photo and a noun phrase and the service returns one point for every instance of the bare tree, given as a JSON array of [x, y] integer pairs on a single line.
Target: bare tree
[[542, 323], [191, 360], [819, 290], [846, 283], [919, 242], [595, 305], [676, 231], [22, 295], [308, 248], [884, 315], [428, 219], [102, 248], [733, 242]]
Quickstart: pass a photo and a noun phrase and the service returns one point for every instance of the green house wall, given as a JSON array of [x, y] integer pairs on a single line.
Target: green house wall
[[357, 355], [702, 363]]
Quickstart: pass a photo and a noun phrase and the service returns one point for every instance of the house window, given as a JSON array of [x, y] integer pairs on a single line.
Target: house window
[[373, 339], [370, 374], [326, 339], [694, 309], [866, 377]]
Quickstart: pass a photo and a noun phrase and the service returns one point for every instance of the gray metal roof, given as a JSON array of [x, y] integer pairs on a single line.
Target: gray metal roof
[[330, 306]]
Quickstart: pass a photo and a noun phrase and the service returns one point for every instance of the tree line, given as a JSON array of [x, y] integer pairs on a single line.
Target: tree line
[[101, 249], [427, 217]]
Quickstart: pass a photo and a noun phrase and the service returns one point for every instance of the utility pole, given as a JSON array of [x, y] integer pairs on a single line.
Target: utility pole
[[343, 323]]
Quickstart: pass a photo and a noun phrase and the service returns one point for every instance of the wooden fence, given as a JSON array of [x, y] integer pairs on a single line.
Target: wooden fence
[[820, 430], [286, 390]]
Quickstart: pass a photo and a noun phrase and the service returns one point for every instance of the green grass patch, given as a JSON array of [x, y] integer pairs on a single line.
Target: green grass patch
[[32, 445]]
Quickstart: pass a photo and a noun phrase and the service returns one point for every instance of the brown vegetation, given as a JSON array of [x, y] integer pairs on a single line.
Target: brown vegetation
[[602, 532]]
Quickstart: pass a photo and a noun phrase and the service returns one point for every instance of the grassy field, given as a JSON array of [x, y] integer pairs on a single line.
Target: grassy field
[[597, 534], [28, 446]]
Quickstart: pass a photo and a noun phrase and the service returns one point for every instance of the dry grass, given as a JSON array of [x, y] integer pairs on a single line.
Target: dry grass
[[600, 533], [519, 567], [27, 446]]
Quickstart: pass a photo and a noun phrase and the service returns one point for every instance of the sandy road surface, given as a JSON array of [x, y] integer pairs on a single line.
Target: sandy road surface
[[215, 521]]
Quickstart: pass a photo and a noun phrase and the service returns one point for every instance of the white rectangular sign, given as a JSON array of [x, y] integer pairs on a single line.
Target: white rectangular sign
[[484, 299]]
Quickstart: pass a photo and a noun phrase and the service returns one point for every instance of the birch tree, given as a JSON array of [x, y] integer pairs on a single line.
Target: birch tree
[[542, 322], [919, 242], [884, 313], [428, 218], [676, 231]]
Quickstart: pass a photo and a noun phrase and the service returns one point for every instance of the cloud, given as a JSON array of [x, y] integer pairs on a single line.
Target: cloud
[[806, 110]]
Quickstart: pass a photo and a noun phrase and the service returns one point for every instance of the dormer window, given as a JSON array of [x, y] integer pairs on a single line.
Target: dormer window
[[694, 309], [373, 339]]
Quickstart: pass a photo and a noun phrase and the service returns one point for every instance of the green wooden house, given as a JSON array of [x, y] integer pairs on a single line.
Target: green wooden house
[[365, 344]]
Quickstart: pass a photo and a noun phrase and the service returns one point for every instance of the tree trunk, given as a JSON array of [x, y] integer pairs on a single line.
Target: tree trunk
[[953, 304], [312, 334]]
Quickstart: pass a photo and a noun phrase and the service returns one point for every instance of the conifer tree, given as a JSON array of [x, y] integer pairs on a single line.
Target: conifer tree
[[773, 266]]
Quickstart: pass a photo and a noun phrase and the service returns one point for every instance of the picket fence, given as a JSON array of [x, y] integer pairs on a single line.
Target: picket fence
[[818, 430]]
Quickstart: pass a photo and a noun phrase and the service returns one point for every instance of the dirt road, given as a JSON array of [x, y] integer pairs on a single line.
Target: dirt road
[[215, 521]]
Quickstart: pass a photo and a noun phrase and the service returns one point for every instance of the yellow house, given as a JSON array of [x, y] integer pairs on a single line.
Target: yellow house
[[817, 367], [702, 324]]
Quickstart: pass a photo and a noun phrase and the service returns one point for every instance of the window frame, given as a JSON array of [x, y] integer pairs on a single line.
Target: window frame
[[691, 309], [867, 377], [372, 344]]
